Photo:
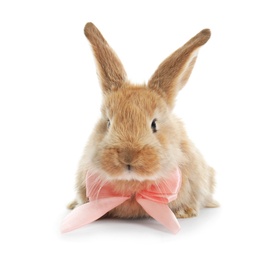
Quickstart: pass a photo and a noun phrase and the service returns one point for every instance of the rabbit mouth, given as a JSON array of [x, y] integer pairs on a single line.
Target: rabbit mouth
[[126, 164], [130, 172], [133, 174]]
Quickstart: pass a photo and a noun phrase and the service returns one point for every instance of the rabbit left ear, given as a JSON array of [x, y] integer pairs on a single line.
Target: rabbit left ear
[[110, 69], [173, 73]]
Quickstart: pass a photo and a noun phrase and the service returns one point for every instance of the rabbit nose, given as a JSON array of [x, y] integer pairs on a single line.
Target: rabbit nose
[[126, 156]]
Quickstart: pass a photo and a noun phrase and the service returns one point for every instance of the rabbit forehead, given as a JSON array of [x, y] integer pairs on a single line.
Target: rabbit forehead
[[133, 101]]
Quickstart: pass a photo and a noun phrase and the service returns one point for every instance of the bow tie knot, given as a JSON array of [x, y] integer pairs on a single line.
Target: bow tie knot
[[103, 198]]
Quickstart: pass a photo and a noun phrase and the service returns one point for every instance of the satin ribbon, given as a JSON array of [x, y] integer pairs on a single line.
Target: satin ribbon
[[102, 198]]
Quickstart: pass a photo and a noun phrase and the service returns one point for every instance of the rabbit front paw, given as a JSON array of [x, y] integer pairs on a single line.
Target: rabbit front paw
[[186, 212]]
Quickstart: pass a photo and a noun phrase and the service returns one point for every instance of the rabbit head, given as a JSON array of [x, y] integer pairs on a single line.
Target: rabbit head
[[138, 137]]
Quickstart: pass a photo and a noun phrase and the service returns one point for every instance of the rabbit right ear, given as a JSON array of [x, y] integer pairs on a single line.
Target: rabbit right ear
[[110, 69], [173, 73]]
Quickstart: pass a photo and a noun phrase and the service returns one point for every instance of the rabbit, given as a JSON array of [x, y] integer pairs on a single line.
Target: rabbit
[[138, 139]]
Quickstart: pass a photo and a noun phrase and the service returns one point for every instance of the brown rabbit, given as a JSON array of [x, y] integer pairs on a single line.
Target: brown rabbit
[[137, 139]]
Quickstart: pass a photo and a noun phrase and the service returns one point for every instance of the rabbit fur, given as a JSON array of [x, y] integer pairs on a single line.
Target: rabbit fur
[[138, 141]]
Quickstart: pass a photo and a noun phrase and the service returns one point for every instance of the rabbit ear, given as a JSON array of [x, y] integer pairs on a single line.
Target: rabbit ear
[[173, 73], [110, 69]]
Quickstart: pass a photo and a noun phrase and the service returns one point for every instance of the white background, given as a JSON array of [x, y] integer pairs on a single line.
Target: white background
[[50, 100]]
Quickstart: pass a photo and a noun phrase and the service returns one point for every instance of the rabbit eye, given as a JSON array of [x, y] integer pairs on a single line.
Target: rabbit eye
[[153, 126], [108, 123]]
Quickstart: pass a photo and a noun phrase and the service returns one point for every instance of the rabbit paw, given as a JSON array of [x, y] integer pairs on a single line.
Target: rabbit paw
[[72, 204], [186, 212]]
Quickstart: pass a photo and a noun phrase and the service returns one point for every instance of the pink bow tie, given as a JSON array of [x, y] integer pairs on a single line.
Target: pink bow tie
[[102, 198]]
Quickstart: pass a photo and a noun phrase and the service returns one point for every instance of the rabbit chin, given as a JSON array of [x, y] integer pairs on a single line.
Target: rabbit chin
[[132, 176]]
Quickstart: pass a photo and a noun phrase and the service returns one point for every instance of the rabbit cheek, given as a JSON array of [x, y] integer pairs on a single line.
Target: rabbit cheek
[[110, 163], [147, 163]]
